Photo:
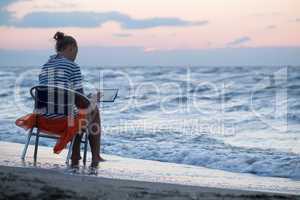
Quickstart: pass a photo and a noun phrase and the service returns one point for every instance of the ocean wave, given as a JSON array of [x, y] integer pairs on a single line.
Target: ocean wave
[[294, 87], [179, 100], [208, 152], [200, 89], [143, 107], [237, 108], [294, 117]]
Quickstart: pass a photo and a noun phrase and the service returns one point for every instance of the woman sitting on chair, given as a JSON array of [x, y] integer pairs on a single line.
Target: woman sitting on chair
[[60, 70]]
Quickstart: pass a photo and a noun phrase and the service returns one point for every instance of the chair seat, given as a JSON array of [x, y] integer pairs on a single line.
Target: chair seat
[[47, 135], [52, 136]]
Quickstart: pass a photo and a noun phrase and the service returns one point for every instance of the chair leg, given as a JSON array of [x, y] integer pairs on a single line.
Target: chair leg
[[26, 144], [36, 145], [70, 150], [85, 148]]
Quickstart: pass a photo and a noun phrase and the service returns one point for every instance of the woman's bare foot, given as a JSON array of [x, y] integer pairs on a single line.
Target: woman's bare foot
[[101, 159]]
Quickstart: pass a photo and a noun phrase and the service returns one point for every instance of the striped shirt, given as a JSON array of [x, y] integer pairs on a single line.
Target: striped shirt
[[61, 72]]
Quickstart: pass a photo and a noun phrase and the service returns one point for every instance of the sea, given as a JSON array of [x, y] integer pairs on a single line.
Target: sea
[[242, 119]]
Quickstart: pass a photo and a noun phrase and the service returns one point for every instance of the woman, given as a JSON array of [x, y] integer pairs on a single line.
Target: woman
[[60, 70]]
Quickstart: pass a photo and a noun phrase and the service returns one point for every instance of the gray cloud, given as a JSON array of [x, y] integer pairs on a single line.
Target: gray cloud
[[271, 27], [94, 19], [122, 35], [266, 14], [238, 41], [295, 20]]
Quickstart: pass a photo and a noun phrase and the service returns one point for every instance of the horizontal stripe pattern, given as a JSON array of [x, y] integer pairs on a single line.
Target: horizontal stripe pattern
[[61, 72]]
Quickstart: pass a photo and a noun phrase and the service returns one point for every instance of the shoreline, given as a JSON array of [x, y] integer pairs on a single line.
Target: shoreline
[[124, 178]]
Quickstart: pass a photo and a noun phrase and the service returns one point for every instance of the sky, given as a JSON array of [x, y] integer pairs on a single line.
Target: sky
[[154, 32]]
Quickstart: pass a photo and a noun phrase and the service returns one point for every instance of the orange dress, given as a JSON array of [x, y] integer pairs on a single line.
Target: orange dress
[[65, 127]]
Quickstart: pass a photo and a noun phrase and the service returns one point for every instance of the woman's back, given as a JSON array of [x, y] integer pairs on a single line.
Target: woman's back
[[60, 71]]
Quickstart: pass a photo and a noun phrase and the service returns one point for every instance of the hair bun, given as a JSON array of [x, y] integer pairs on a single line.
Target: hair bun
[[59, 35]]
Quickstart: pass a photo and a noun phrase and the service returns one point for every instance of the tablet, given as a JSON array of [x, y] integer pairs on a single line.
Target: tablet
[[108, 95]]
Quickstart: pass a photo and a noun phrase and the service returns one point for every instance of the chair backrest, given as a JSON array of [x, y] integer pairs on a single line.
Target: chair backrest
[[57, 100]]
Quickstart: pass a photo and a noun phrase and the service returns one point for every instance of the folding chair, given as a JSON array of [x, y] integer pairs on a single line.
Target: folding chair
[[59, 100]]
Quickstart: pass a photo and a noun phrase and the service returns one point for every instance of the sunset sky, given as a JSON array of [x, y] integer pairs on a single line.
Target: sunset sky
[[152, 26]]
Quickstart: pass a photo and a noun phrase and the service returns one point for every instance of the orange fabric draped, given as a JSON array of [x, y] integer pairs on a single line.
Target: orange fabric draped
[[65, 127]]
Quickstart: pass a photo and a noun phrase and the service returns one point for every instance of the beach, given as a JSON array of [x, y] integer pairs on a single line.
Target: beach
[[124, 178]]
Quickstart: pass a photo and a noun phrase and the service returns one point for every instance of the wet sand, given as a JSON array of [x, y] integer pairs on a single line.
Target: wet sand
[[26, 183], [122, 178]]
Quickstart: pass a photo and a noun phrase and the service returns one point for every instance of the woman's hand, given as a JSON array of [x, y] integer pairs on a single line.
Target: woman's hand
[[96, 97]]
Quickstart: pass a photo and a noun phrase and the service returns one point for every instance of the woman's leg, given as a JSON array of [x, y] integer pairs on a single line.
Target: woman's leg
[[95, 135], [76, 151]]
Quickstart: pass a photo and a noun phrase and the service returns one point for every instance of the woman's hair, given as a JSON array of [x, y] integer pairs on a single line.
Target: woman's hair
[[62, 41]]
